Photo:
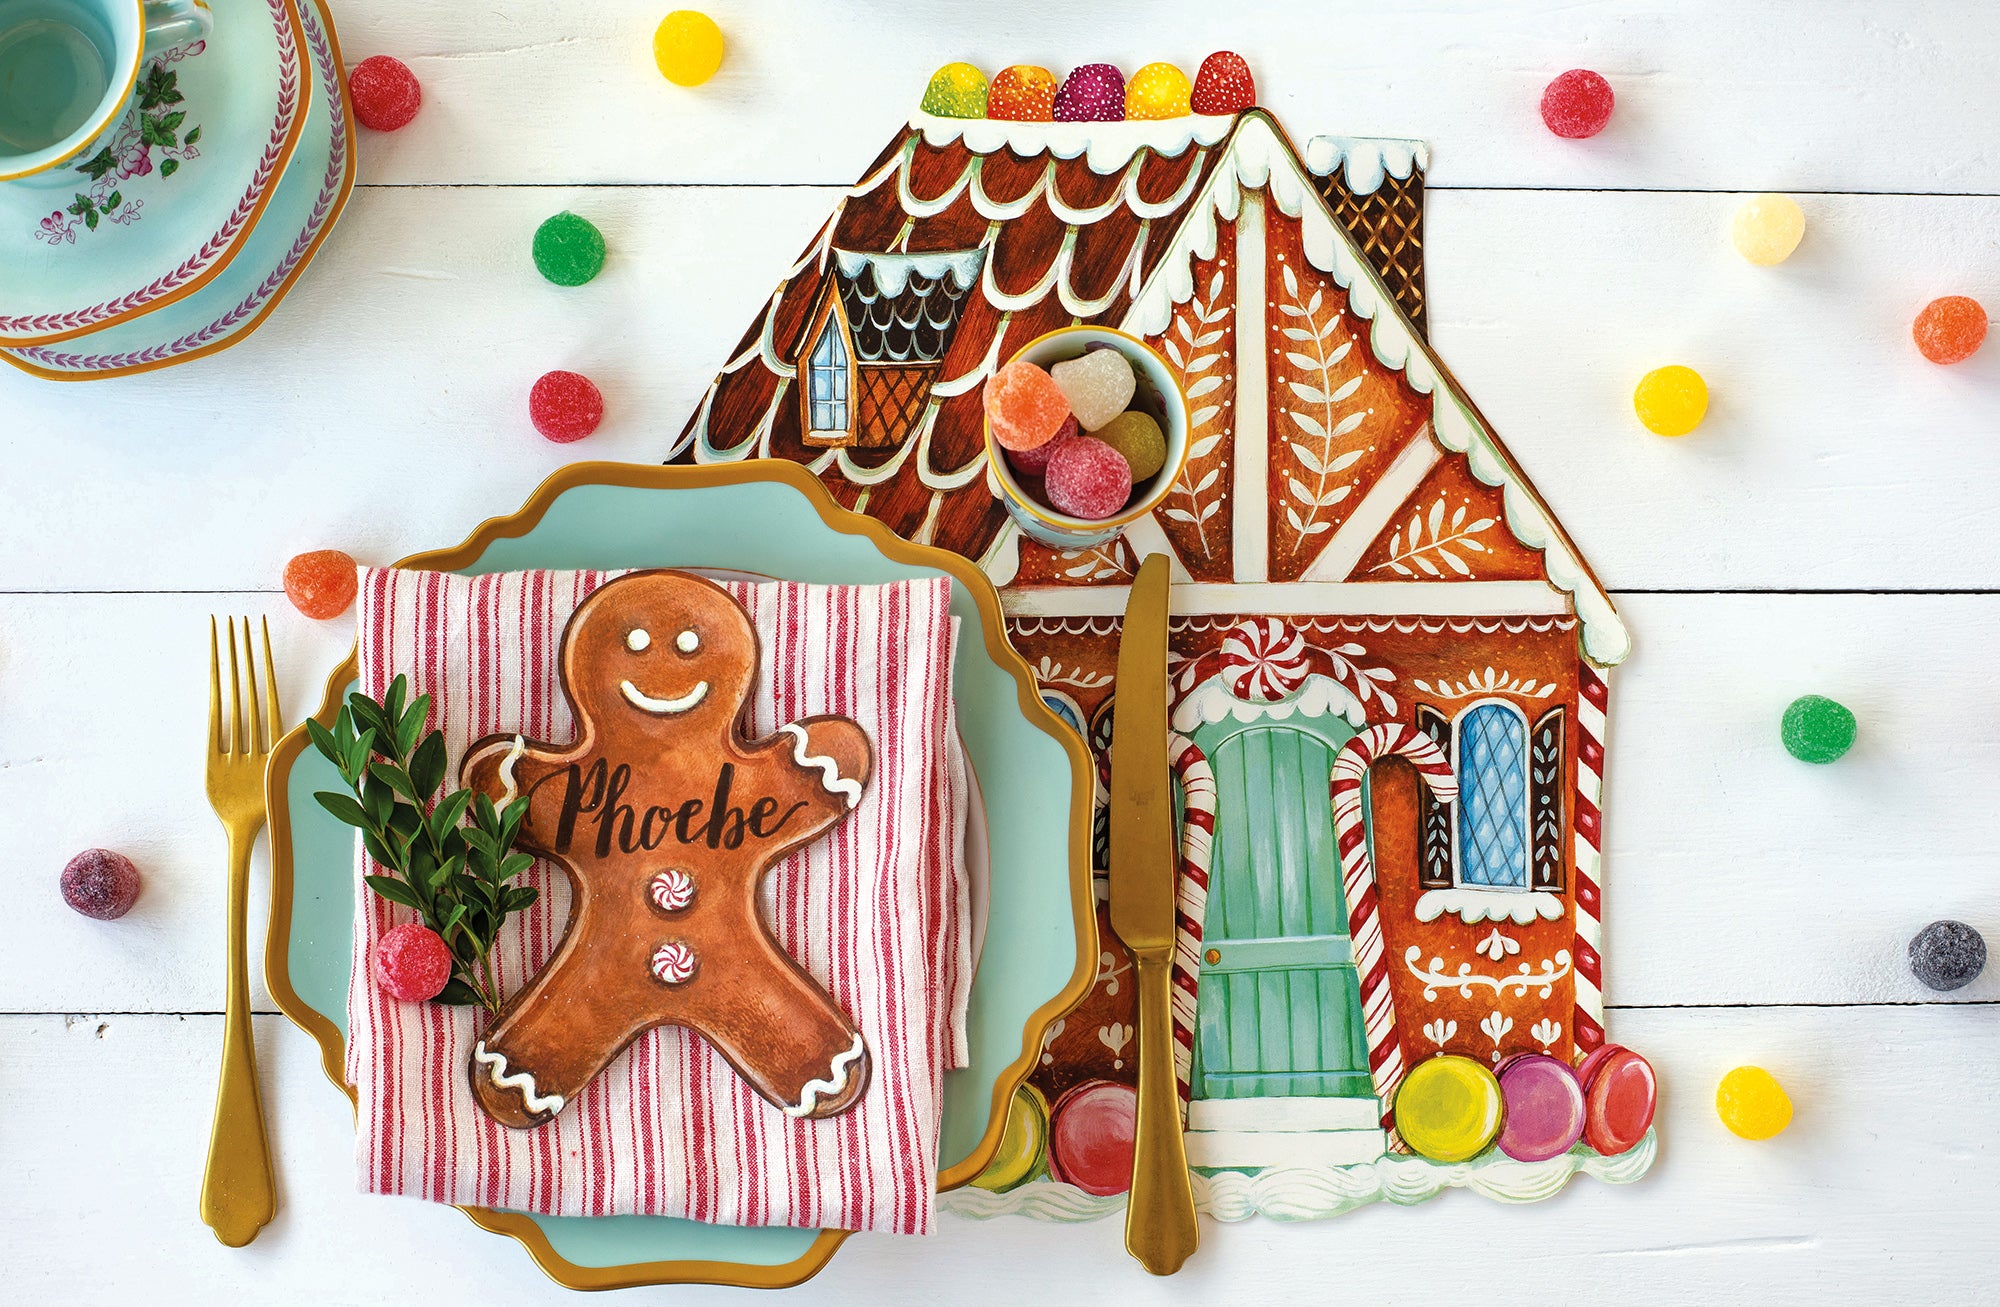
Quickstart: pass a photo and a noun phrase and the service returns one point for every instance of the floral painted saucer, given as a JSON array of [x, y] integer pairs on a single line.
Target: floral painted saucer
[[301, 211], [174, 194]]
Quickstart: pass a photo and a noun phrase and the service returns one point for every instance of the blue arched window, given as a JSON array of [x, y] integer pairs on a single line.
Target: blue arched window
[[827, 375], [1492, 767]]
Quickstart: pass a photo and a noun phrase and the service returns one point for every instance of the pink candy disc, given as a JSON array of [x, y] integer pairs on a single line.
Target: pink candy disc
[[1034, 462], [565, 406], [1088, 479], [1545, 1108], [1577, 104], [1091, 1129], [1619, 1101], [1093, 93]]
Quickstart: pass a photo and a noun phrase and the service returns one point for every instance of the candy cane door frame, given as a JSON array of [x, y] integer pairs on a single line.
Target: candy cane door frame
[[1280, 1070]]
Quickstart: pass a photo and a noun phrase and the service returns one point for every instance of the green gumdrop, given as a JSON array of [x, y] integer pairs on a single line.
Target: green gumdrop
[[956, 91], [1139, 439], [1816, 729], [569, 250]]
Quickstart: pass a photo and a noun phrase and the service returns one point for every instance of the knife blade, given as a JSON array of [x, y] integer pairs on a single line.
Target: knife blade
[[1160, 1225]]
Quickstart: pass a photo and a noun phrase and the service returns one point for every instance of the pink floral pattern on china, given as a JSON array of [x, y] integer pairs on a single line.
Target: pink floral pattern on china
[[672, 890], [1264, 661], [332, 193], [673, 963], [130, 154], [153, 122]]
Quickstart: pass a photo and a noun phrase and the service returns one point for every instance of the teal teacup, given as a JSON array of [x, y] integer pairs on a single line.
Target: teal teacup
[[67, 68]]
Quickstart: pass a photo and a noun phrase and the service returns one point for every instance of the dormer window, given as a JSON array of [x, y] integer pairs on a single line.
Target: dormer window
[[829, 373]]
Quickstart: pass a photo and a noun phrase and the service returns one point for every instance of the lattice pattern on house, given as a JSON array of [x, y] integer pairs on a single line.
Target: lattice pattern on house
[[1378, 196]]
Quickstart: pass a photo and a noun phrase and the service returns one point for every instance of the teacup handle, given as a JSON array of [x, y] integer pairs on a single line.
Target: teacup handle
[[176, 22]]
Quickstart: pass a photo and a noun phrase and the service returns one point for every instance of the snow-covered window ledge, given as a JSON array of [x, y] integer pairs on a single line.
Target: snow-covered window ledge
[[1476, 905]]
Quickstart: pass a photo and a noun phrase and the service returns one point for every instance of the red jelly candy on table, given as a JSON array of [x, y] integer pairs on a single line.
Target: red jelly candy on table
[[412, 963], [1034, 462], [1951, 329], [320, 584], [384, 92], [1091, 1129], [1223, 85], [565, 406], [1093, 93], [101, 884], [1619, 1102], [1089, 479], [1577, 104], [1024, 406]]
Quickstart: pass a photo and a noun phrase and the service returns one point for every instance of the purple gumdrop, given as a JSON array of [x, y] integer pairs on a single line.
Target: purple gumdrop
[[1094, 93], [101, 884]]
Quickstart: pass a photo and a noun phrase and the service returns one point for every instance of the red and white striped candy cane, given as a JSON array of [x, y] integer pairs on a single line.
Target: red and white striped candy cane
[[1357, 874], [1190, 896], [1589, 1020]]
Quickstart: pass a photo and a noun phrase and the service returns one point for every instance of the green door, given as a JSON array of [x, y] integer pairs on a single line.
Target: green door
[[1280, 1003]]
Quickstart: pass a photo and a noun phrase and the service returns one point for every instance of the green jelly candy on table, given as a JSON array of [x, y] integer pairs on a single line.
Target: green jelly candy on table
[[1139, 439], [569, 250], [1816, 729]]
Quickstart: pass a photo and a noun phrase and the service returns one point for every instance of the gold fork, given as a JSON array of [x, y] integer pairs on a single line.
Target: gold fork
[[238, 1197]]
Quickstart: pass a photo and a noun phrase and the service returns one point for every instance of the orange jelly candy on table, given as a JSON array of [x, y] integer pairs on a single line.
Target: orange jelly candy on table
[[1022, 94], [1620, 1094], [1951, 329], [1024, 406], [320, 584]]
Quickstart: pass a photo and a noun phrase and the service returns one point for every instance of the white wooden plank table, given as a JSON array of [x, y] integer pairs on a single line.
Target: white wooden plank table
[[1830, 528]]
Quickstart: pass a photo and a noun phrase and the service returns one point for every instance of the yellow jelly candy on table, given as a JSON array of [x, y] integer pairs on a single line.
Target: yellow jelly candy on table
[[1767, 229], [1158, 91], [1671, 400], [687, 46], [1752, 1103], [1449, 1108]]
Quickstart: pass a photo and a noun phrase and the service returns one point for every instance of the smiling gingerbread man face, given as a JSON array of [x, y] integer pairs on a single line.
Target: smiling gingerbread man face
[[666, 818]]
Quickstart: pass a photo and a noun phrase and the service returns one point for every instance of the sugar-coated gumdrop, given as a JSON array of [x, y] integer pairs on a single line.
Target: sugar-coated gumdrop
[[1139, 438], [956, 91], [1023, 93], [412, 963], [1816, 729], [1448, 1108], [1767, 228], [1098, 385], [1087, 478], [1671, 401], [1947, 955], [569, 250], [1620, 1094], [1577, 104], [565, 406], [1094, 93], [1223, 85], [687, 46], [1752, 1103], [1034, 462], [101, 884], [1158, 91], [1024, 406], [384, 93], [321, 583], [1950, 329]]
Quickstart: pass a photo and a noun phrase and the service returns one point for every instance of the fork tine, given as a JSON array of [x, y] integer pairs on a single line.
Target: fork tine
[[277, 720], [252, 737], [215, 740], [235, 694]]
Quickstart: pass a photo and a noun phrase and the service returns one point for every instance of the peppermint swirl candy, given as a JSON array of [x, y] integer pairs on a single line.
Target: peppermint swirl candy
[[673, 963], [1264, 661], [672, 890]]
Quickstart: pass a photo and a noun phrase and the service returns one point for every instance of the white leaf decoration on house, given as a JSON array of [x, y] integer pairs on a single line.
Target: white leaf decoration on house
[[1546, 1033], [1495, 1027], [1440, 1031]]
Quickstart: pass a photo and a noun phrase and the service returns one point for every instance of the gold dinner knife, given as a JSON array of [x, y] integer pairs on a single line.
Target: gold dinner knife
[[1159, 1212]]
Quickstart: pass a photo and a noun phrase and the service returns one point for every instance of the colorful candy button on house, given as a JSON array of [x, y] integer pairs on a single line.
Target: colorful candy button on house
[[1390, 663]]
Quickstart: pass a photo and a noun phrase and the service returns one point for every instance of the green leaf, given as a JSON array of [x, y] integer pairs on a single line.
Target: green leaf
[[396, 779], [98, 165], [90, 219], [81, 204], [394, 890], [379, 800], [515, 864], [445, 817], [464, 949], [451, 922], [406, 821], [358, 750], [427, 766], [484, 815], [324, 741], [456, 993], [368, 716], [173, 120], [345, 808], [521, 896], [112, 201], [380, 851], [392, 702], [169, 167], [194, 134]]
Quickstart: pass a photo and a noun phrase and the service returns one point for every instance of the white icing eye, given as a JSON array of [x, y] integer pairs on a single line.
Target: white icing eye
[[638, 640], [687, 642]]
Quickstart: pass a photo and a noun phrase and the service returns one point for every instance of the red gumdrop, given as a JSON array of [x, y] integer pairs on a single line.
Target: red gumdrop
[[1091, 1134], [1034, 462], [412, 963], [1024, 406], [1951, 329], [1223, 85], [1619, 1102], [101, 884], [1577, 104], [1089, 479], [321, 583], [565, 406], [384, 92]]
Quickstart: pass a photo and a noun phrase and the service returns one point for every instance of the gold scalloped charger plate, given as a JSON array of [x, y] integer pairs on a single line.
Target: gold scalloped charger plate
[[774, 518]]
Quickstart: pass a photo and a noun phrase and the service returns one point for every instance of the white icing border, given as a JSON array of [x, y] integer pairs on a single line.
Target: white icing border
[[830, 778], [509, 790], [834, 1085], [496, 1071], [1476, 905]]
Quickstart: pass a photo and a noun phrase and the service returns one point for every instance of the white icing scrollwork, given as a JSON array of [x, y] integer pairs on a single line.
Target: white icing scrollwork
[[1546, 1032], [1466, 979]]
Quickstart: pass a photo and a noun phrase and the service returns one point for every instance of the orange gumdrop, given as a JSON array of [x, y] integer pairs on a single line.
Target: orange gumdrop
[[1949, 330], [1022, 94], [320, 584], [1024, 406]]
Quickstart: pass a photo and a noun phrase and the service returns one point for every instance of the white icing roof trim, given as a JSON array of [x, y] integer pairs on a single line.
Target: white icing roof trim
[[1318, 696], [892, 271], [1109, 145], [1256, 157], [1368, 159]]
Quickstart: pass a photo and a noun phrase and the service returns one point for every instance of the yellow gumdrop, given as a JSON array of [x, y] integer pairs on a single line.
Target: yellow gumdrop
[[687, 46], [1158, 91], [1767, 229], [1448, 1108], [1671, 400], [1752, 1103], [1023, 1141]]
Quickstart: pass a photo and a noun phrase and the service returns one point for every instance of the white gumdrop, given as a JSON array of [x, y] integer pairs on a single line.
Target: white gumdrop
[[1098, 386]]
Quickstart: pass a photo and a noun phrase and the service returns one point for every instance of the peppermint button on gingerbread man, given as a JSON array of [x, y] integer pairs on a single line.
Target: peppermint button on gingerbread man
[[666, 818]]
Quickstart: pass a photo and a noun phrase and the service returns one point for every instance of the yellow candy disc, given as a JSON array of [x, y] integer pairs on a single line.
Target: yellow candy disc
[[687, 46], [1767, 229], [1449, 1108], [1752, 1103], [1158, 91], [1671, 401], [1023, 1142]]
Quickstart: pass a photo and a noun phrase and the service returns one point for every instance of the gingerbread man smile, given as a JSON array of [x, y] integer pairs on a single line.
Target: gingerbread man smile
[[638, 640]]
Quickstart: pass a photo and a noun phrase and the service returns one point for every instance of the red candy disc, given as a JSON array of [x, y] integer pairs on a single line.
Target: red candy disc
[[1091, 1129], [1577, 104], [565, 406], [384, 92], [1619, 1101]]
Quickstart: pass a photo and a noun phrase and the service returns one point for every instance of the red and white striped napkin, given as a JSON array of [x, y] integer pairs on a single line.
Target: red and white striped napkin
[[877, 911]]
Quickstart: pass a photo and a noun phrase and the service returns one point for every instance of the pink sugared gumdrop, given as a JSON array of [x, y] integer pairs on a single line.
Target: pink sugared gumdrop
[[1024, 406], [384, 92], [1034, 462], [1577, 104], [101, 884], [412, 963], [565, 406], [1093, 93], [1087, 478], [1224, 84]]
